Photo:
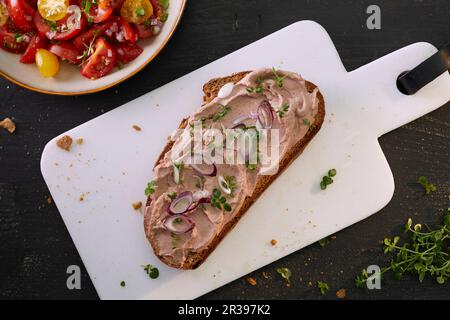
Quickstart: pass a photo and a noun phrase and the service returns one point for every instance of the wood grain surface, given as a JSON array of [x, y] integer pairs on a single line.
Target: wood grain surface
[[36, 249]]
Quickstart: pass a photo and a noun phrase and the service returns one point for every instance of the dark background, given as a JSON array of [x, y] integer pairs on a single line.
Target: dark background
[[35, 247]]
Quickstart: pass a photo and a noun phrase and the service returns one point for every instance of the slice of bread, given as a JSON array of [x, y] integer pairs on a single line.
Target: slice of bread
[[210, 90]]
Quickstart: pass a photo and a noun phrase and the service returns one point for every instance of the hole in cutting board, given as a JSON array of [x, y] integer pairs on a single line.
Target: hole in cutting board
[[400, 86]]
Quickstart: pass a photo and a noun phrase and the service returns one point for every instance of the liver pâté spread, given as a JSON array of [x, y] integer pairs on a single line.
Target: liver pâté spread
[[191, 202]]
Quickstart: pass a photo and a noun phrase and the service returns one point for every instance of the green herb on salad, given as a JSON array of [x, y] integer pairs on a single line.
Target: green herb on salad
[[285, 274], [172, 195], [282, 110], [18, 37], [428, 187], [218, 201], [423, 251], [327, 180], [152, 271], [164, 3], [150, 189], [140, 12], [323, 287], [164, 17]]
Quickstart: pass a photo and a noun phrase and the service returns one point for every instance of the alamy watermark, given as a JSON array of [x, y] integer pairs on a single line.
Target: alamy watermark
[[374, 20]]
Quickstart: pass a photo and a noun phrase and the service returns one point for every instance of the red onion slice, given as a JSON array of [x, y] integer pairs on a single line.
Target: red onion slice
[[178, 224], [223, 185], [181, 203], [240, 119], [265, 114], [207, 168]]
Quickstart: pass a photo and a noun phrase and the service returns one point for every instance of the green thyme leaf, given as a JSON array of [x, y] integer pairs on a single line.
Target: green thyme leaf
[[222, 112], [152, 271], [428, 187], [150, 189], [285, 274], [323, 287], [282, 110]]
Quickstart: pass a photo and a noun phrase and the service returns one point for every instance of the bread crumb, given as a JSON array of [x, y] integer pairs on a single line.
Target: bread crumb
[[136, 127], [8, 124], [273, 242], [333, 237], [251, 281], [49, 200], [80, 141], [137, 205], [82, 197], [265, 275], [341, 293], [65, 142]]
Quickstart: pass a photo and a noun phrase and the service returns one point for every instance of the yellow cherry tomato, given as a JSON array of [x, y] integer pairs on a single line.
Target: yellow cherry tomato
[[136, 11], [47, 63], [53, 10], [3, 14]]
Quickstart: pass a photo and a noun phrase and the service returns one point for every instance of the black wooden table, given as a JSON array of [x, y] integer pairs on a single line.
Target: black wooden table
[[35, 247]]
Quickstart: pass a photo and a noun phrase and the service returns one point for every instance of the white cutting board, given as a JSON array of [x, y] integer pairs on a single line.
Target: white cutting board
[[115, 162]]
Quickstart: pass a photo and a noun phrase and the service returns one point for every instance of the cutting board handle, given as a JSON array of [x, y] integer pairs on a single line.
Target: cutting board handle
[[382, 85]]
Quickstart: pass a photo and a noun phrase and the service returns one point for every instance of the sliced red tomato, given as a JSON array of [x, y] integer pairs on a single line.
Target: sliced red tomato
[[13, 41], [37, 42], [21, 14], [97, 11], [63, 29], [101, 62], [127, 52], [129, 34], [84, 39], [66, 51], [144, 30]]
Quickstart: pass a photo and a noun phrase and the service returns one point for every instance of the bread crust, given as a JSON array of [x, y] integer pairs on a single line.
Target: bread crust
[[211, 89]]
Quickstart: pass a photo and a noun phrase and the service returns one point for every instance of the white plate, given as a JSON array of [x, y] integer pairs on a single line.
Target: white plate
[[69, 80]]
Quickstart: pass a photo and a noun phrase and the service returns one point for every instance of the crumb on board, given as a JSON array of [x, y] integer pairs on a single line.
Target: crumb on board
[[341, 293], [136, 127], [82, 197], [49, 200], [265, 275], [80, 141], [137, 205], [8, 124], [333, 237], [273, 242], [251, 281], [65, 142]]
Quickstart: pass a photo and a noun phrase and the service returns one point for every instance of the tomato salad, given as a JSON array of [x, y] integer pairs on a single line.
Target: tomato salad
[[97, 35]]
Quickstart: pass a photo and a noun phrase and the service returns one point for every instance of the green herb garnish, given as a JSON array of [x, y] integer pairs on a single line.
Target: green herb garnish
[[86, 4], [423, 252], [178, 167], [327, 180], [90, 19], [218, 201], [278, 80], [428, 187], [164, 3], [151, 186], [175, 238], [152, 271], [18, 37], [164, 17], [140, 12], [222, 112], [122, 284], [172, 195], [323, 287], [231, 184], [323, 242], [285, 274], [282, 110]]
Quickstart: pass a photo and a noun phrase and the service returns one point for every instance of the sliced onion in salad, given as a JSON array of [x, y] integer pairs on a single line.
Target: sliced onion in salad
[[74, 21], [178, 224], [265, 114], [224, 185], [181, 204]]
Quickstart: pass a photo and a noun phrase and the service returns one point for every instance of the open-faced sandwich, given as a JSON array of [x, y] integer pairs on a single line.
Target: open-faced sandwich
[[221, 159]]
